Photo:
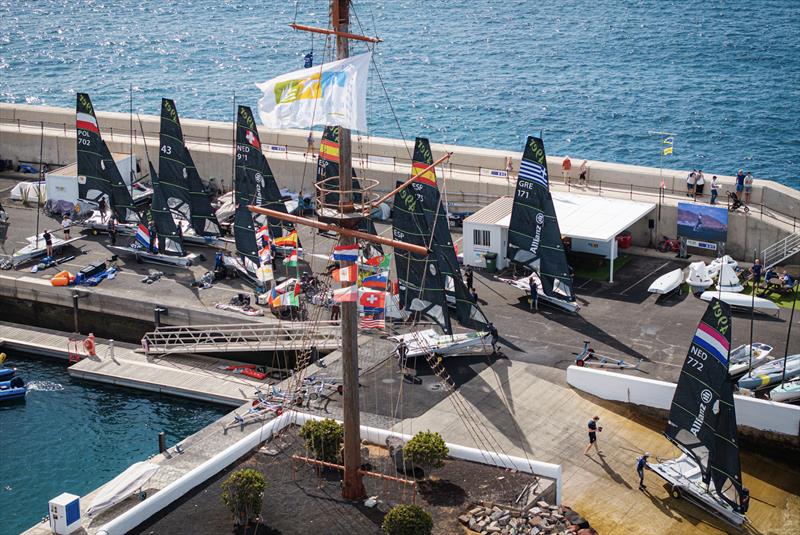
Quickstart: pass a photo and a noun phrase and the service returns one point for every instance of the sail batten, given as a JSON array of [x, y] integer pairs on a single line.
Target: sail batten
[[534, 238]]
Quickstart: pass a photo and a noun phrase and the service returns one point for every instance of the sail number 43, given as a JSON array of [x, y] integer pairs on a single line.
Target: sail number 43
[[166, 149]]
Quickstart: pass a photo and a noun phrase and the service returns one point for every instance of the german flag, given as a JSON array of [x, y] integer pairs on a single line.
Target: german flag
[[329, 150]]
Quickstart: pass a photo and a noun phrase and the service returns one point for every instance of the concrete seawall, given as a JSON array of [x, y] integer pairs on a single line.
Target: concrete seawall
[[473, 177]]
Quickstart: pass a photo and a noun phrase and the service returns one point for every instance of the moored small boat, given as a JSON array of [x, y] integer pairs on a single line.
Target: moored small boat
[[13, 389], [787, 392], [771, 373]]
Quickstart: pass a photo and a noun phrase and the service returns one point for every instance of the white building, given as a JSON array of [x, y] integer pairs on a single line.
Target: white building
[[62, 183], [592, 223]]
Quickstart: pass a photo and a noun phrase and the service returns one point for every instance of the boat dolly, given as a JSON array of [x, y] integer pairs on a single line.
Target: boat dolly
[[588, 358]]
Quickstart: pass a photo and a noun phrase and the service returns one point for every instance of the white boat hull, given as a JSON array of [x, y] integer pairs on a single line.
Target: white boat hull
[[740, 361], [741, 301], [429, 341], [524, 285], [787, 392], [32, 250], [685, 480], [667, 283], [143, 255]]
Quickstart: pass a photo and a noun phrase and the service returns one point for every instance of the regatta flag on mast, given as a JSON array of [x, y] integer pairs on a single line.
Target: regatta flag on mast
[[348, 294], [667, 142], [291, 260], [347, 274], [333, 93], [287, 241], [378, 282], [346, 253], [382, 261]]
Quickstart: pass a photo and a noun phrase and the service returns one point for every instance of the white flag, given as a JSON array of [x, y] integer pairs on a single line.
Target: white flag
[[334, 93]]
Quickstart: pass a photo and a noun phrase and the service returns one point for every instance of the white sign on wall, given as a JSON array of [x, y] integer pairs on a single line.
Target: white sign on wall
[[702, 244], [493, 172]]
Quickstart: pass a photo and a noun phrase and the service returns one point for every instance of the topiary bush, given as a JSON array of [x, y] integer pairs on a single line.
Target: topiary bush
[[426, 449], [323, 438], [407, 520], [243, 493]]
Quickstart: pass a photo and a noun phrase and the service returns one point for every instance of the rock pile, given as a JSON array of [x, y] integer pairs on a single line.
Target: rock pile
[[541, 519]]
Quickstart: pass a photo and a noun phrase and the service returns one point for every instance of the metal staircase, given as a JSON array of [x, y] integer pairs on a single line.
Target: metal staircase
[[781, 250], [251, 337]]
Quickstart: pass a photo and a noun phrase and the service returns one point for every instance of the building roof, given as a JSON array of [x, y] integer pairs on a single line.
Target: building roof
[[72, 168], [579, 216]]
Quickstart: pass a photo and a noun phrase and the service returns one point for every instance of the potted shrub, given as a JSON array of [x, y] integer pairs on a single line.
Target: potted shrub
[[323, 439], [242, 494], [407, 520], [426, 450]]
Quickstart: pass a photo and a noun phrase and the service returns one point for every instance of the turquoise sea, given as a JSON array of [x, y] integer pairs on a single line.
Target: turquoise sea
[[73, 436], [595, 77]]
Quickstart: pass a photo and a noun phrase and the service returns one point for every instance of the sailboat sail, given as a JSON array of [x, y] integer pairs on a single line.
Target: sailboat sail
[[427, 193], [168, 234], [328, 168], [702, 418], [98, 175], [179, 176], [421, 282], [534, 239], [173, 175]]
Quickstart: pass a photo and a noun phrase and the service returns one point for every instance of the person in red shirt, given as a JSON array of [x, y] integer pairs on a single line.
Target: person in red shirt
[[566, 165]]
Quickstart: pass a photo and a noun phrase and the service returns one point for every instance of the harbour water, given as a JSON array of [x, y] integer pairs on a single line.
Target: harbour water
[[73, 436], [595, 77]]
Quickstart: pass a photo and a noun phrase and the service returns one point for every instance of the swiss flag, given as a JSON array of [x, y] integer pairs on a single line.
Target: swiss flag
[[251, 138], [372, 299]]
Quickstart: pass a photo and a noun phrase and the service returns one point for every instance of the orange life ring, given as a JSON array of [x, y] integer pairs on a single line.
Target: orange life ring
[[88, 345]]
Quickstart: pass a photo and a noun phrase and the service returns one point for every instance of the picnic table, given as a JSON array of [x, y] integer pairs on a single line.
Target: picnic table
[[775, 285]]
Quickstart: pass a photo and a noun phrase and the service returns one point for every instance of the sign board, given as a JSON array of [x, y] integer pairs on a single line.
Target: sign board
[[701, 244], [278, 148], [701, 222], [497, 173]]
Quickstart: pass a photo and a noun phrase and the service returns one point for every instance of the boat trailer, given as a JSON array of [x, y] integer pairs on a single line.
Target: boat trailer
[[588, 358]]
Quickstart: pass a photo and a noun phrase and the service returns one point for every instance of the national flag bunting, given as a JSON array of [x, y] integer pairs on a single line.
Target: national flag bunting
[[329, 150], [86, 121], [378, 281], [374, 321], [534, 172], [346, 274], [349, 294], [713, 342], [346, 252], [372, 300], [668, 141], [382, 261], [291, 260], [143, 237], [287, 241]]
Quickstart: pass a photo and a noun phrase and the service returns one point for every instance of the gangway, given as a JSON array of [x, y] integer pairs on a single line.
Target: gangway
[[780, 250], [249, 337]]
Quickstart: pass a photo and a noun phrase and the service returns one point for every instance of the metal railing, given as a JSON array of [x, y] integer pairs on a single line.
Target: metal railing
[[284, 336], [781, 250]]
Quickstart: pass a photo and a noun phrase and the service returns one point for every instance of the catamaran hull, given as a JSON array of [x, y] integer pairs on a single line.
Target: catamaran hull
[[31, 251], [685, 481], [161, 259], [428, 341], [522, 284]]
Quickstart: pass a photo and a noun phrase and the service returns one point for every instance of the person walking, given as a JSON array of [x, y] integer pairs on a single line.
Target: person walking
[[48, 242], [65, 224], [534, 289], [584, 169], [101, 207], [593, 430], [714, 189], [468, 276], [111, 227], [739, 183], [690, 180], [566, 165], [641, 464], [699, 183], [748, 187], [495, 337]]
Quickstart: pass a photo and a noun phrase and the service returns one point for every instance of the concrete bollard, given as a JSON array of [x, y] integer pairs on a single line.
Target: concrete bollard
[[162, 442], [111, 349]]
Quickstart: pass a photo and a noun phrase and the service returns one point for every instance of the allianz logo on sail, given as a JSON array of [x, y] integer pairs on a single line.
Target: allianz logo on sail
[[705, 398], [537, 236]]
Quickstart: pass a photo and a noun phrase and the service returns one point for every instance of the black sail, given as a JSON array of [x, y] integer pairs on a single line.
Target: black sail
[[328, 167], [427, 193], [534, 239], [183, 184], [421, 282], [254, 169], [93, 185], [121, 201], [702, 418], [170, 240], [172, 173]]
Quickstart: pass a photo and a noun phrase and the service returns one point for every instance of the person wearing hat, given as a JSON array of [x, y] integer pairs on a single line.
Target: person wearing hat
[[641, 464]]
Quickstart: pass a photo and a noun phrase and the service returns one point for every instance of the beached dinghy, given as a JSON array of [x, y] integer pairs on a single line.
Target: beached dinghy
[[534, 237], [740, 361], [667, 283], [698, 277], [741, 300], [702, 424], [715, 265], [787, 392], [37, 248], [771, 373], [524, 284], [728, 280], [429, 341]]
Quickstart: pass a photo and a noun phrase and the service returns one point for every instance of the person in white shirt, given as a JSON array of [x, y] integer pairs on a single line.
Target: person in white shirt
[[690, 183], [66, 223], [714, 189], [699, 183]]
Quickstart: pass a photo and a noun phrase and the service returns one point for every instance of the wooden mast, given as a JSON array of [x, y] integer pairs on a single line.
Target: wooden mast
[[353, 485]]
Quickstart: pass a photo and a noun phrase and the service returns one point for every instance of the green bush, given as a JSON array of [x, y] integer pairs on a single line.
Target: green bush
[[242, 493], [323, 438], [426, 449], [407, 520]]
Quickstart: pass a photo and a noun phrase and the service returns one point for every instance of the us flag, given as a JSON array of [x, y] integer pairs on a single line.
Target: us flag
[[534, 172], [371, 322]]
